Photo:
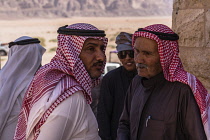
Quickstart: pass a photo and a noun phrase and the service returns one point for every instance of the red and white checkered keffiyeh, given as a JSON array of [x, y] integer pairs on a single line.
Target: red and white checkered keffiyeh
[[65, 65], [173, 69]]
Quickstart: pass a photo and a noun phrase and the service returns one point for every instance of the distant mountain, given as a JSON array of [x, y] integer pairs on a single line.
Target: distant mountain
[[69, 8]]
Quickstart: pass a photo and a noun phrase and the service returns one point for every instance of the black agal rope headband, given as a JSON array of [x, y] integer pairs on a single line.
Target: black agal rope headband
[[80, 32], [24, 42], [163, 36]]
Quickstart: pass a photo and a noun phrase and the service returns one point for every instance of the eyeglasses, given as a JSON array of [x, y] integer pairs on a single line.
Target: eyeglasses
[[123, 54]]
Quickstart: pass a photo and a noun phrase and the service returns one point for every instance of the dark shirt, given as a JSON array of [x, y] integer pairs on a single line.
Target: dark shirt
[[112, 94], [156, 109], [95, 92]]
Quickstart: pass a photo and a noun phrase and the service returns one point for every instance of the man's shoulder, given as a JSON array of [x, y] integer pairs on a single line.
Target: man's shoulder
[[180, 84], [180, 87], [113, 73], [75, 98]]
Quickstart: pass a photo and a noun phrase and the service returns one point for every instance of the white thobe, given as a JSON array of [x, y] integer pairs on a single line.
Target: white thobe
[[72, 119]]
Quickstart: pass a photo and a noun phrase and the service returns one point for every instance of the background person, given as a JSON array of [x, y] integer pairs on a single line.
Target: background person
[[24, 59], [113, 88]]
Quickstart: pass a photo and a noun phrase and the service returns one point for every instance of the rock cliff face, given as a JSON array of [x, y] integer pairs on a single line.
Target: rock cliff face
[[191, 21], [69, 8]]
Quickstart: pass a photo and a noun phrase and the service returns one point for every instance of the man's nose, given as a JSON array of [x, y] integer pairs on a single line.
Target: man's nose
[[139, 58], [100, 56]]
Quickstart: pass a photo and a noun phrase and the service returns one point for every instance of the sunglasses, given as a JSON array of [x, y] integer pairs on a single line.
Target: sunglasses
[[123, 54]]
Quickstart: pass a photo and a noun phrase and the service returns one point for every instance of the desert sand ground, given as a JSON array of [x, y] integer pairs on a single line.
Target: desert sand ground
[[46, 29]]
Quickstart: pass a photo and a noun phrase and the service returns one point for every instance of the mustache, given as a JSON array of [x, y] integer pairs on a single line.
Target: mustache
[[139, 65], [99, 63]]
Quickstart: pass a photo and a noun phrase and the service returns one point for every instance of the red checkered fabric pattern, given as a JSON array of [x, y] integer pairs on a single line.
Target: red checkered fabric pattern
[[67, 67], [173, 69]]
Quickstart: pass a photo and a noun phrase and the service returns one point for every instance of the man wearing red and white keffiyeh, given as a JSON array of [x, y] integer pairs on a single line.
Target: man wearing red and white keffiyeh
[[172, 103], [56, 104]]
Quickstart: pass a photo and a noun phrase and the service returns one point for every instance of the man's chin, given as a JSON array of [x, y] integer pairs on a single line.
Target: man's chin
[[130, 68], [96, 75]]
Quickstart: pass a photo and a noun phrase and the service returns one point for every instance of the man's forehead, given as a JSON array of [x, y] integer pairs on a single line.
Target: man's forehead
[[145, 44], [143, 40], [93, 41]]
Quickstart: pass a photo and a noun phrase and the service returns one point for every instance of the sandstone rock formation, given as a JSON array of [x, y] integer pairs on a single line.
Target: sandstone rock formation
[[191, 21], [69, 8]]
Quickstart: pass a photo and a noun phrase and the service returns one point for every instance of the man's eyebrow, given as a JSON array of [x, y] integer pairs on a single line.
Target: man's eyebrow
[[92, 44]]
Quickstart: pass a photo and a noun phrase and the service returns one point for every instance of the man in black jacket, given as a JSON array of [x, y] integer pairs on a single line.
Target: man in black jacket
[[113, 89]]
